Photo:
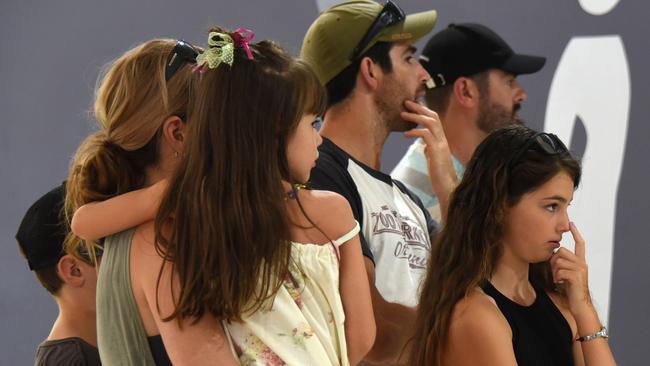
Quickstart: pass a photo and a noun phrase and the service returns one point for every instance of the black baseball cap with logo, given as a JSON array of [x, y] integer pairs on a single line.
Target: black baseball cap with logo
[[469, 48], [42, 230]]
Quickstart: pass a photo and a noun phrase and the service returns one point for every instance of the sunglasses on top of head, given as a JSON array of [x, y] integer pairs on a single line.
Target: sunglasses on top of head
[[391, 14], [547, 142], [182, 53]]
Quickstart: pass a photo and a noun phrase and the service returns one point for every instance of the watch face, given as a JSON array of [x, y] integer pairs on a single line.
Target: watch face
[[603, 333]]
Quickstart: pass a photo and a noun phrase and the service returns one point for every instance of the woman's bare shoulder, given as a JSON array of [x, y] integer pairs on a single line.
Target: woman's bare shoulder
[[477, 320], [475, 309], [143, 248]]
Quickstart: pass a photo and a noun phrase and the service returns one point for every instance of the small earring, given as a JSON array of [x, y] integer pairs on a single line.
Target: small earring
[[176, 154]]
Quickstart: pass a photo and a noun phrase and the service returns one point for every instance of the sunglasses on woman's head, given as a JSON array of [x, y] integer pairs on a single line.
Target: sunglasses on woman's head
[[547, 142], [182, 53]]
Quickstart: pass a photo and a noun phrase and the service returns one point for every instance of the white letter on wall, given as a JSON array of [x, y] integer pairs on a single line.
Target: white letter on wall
[[598, 7], [592, 81]]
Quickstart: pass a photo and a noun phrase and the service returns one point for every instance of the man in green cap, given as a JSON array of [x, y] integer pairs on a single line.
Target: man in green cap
[[363, 53]]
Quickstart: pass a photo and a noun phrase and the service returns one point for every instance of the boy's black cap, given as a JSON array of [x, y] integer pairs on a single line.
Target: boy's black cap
[[467, 49], [42, 231]]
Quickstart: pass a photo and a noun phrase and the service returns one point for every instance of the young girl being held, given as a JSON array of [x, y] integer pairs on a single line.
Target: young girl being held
[[241, 240]]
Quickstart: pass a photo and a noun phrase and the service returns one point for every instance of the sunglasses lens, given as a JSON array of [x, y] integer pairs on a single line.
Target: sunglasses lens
[[559, 145], [551, 144], [547, 143], [186, 51], [182, 53], [396, 13], [390, 15]]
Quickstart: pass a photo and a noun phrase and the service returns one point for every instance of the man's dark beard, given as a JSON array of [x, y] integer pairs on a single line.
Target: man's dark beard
[[494, 116], [391, 115]]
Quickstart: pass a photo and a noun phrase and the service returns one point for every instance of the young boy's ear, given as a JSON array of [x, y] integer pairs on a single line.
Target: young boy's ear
[[70, 271]]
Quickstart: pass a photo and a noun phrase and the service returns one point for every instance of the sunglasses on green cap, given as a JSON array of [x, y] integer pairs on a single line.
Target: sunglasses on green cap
[[391, 14]]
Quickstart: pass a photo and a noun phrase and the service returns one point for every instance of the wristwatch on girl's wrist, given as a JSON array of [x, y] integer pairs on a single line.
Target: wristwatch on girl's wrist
[[602, 333]]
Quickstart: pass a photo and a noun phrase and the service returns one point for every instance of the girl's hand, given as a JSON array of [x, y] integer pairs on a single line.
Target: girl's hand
[[571, 269]]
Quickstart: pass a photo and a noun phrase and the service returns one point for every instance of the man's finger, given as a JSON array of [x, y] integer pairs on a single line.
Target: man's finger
[[419, 108], [419, 119], [418, 132], [431, 123]]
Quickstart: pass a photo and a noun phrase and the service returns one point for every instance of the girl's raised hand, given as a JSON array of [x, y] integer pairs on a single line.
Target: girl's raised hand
[[570, 268]]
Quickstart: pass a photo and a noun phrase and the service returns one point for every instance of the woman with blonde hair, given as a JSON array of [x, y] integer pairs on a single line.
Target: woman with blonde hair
[[499, 288], [141, 103]]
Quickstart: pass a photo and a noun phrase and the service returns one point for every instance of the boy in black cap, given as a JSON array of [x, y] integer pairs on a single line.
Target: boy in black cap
[[69, 279], [474, 89]]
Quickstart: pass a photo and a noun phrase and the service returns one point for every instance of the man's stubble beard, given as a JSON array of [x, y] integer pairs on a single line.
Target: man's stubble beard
[[493, 116], [389, 101]]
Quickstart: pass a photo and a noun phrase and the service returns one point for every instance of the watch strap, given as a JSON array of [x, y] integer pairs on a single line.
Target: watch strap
[[602, 333]]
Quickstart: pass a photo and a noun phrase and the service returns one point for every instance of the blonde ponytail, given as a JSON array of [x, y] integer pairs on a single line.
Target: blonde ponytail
[[132, 101]]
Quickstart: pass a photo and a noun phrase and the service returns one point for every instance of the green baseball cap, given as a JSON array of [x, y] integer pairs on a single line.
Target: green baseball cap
[[336, 32]]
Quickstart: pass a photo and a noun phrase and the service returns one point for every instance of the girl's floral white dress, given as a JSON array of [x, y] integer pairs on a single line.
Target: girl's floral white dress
[[305, 324]]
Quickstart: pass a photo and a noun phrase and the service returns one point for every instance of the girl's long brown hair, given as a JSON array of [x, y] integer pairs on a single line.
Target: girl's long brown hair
[[227, 238], [132, 101], [467, 249]]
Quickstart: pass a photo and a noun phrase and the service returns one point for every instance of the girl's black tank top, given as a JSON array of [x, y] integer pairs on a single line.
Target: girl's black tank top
[[540, 333]]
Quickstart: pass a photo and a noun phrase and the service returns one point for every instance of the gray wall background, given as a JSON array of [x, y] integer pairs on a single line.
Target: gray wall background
[[52, 51]]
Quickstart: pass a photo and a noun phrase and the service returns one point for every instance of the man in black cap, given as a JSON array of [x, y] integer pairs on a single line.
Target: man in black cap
[[71, 280], [473, 89]]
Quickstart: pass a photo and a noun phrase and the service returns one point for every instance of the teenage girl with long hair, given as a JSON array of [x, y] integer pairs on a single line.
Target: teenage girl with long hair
[[240, 240], [498, 290]]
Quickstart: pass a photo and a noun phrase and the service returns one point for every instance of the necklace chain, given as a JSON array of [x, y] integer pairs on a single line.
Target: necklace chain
[[293, 192]]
